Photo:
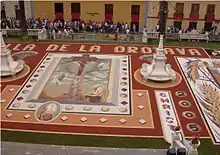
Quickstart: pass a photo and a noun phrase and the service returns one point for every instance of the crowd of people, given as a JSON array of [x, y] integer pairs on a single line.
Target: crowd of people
[[75, 26], [65, 27], [212, 31]]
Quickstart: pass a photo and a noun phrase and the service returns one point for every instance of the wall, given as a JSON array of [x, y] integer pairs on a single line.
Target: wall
[[154, 8], [44, 9], [121, 10]]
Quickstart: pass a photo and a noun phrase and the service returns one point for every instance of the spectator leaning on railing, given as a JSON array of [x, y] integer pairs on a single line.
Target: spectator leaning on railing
[[76, 26]]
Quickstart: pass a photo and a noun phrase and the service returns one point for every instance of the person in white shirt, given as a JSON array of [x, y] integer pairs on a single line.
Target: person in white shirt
[[54, 34], [157, 27], [126, 26], [134, 27], [127, 34]]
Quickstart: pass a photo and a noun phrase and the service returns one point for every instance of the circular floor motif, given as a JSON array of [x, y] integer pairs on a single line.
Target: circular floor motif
[[48, 111], [153, 84], [189, 114], [31, 106], [184, 103], [193, 127], [122, 109], [181, 94], [123, 95], [16, 105], [105, 109], [123, 83], [19, 75], [69, 107]]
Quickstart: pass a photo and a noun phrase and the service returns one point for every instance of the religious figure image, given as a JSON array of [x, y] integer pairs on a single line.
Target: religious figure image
[[78, 79], [48, 111]]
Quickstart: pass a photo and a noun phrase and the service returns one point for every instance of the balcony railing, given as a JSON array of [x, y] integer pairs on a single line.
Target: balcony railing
[[43, 34]]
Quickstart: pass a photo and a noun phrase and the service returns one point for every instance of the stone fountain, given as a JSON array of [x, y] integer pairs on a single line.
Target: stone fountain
[[9, 67], [158, 70]]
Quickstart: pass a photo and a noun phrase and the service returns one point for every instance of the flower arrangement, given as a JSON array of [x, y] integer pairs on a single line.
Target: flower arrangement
[[195, 140], [216, 53]]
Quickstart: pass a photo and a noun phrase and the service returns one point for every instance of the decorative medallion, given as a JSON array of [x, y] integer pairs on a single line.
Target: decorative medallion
[[122, 109], [184, 103], [105, 109], [181, 94], [69, 107], [189, 114], [48, 111], [87, 108], [193, 127]]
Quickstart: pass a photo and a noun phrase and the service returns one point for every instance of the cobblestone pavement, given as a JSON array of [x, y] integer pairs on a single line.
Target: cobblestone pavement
[[13, 148]]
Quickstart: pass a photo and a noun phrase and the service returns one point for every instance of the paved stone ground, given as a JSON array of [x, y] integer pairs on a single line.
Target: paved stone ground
[[12, 148]]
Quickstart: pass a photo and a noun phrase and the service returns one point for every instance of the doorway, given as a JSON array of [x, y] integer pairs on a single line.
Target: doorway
[[136, 26], [178, 24], [207, 26], [193, 25]]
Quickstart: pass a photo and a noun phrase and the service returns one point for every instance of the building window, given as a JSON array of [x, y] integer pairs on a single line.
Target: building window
[[135, 10], [210, 9], [195, 9], [194, 15], [178, 24], [75, 9], [210, 13], [178, 15], [179, 8], [108, 12], [208, 26], [58, 7], [108, 8]]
